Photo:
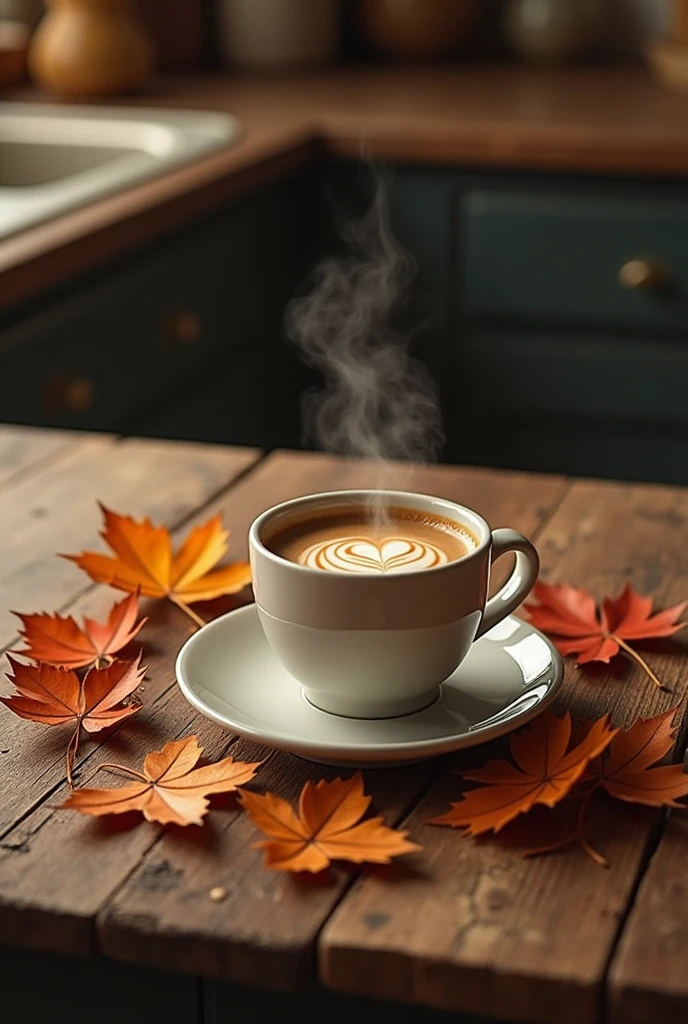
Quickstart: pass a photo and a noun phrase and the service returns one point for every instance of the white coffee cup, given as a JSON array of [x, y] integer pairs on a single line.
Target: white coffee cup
[[380, 645]]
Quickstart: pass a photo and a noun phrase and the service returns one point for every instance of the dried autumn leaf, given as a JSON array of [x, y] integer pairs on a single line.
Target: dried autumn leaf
[[569, 615], [143, 560], [626, 771], [548, 765], [60, 641], [56, 696], [170, 789], [327, 827]]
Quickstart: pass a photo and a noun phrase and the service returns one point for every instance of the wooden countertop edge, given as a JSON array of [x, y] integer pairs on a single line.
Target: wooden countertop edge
[[505, 146], [65, 248]]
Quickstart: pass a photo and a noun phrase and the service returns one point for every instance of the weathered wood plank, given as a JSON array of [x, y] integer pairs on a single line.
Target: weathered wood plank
[[26, 450], [168, 482], [483, 930], [57, 511], [648, 977], [648, 983], [57, 868], [265, 932]]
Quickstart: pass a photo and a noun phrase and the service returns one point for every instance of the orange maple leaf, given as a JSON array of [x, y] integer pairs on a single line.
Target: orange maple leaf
[[55, 696], [547, 768], [570, 616], [59, 640], [626, 771], [143, 560], [170, 789], [327, 827]]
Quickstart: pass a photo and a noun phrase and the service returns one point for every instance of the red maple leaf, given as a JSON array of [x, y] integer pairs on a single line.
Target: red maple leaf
[[569, 615]]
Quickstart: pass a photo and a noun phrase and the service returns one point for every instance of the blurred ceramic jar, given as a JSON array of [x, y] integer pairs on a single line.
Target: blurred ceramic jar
[[279, 35], [554, 31], [417, 29], [85, 48]]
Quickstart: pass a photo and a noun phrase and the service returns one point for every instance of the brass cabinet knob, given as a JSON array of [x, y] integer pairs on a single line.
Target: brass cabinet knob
[[65, 393], [644, 274], [184, 326]]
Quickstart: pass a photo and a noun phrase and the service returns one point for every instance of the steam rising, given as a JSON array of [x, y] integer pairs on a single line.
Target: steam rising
[[377, 402]]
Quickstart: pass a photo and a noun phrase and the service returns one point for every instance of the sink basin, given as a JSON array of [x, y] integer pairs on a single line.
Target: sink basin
[[56, 158]]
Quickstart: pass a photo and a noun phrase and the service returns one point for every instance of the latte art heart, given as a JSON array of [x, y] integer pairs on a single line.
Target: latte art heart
[[348, 540], [361, 554]]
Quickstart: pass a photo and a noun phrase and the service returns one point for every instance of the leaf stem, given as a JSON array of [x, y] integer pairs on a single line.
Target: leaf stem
[[72, 748], [640, 660], [120, 769], [189, 611], [560, 844], [576, 836], [593, 853]]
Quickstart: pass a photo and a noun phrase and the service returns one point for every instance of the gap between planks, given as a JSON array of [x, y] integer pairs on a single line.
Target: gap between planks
[[49, 446], [176, 527], [20, 790]]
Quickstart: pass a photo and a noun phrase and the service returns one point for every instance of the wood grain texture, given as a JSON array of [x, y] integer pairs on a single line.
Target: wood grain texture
[[595, 120], [265, 932], [485, 931], [166, 481], [648, 982], [57, 868], [25, 450], [474, 927], [57, 511]]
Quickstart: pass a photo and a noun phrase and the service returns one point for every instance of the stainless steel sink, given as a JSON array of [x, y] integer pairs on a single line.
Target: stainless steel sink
[[55, 158]]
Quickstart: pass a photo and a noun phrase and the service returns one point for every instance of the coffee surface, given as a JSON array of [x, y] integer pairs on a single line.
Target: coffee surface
[[352, 541]]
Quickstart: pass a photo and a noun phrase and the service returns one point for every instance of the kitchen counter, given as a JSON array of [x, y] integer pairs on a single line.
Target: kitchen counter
[[584, 120]]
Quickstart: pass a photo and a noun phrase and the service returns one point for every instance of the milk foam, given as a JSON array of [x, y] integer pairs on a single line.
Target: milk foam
[[364, 555], [347, 554], [345, 540]]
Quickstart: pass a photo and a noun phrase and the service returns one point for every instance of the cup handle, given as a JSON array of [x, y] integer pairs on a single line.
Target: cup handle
[[519, 584]]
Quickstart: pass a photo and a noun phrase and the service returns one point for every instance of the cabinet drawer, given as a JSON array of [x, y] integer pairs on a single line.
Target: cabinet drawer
[[247, 400], [578, 448], [580, 377], [558, 259], [96, 359]]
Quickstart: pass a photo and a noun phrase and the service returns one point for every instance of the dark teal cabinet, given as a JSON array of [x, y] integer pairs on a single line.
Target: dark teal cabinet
[[569, 369], [543, 359], [142, 338], [249, 398], [555, 258]]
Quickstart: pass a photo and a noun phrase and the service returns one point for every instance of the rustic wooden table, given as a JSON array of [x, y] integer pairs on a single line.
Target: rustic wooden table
[[479, 931]]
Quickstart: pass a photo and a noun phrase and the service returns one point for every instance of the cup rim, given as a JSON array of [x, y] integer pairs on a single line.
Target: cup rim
[[474, 519]]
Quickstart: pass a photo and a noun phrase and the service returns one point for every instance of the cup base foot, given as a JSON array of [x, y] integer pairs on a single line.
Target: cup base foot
[[345, 708]]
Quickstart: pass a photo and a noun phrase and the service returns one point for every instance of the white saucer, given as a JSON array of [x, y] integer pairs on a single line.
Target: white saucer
[[228, 672]]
